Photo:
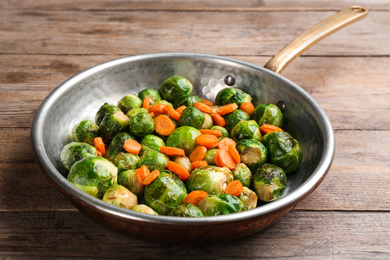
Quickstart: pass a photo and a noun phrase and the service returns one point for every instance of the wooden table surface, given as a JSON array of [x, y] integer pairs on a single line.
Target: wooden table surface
[[45, 42]]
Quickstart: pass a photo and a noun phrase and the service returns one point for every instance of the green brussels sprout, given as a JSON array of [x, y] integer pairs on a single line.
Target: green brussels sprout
[[284, 151], [209, 157], [246, 130], [192, 116], [221, 204], [93, 175], [252, 152], [268, 114], [184, 162], [184, 137], [135, 111], [141, 124], [249, 198], [234, 118], [129, 102], [119, 196], [269, 182], [144, 209], [151, 142], [240, 97], [85, 131], [165, 193], [224, 96], [116, 145], [76, 151], [150, 94], [129, 180], [175, 87], [211, 179], [111, 123], [126, 161], [208, 121], [105, 110], [187, 101], [153, 160], [225, 132], [242, 173], [186, 210]]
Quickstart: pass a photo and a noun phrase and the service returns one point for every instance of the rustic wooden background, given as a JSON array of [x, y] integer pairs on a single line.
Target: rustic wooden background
[[45, 42]]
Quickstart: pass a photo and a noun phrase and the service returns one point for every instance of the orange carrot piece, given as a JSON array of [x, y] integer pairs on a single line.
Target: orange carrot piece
[[178, 170], [99, 154], [218, 119], [172, 112], [210, 141], [208, 102], [217, 133], [132, 146], [141, 174], [266, 128], [226, 109], [234, 153], [172, 151], [225, 159], [99, 145], [180, 109], [197, 164], [146, 103], [225, 142], [247, 107], [150, 177], [198, 154], [152, 114], [194, 197], [216, 158], [203, 107], [163, 125], [157, 109], [234, 188]]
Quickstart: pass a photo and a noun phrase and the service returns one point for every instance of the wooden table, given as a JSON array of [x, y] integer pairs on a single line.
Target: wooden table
[[45, 42]]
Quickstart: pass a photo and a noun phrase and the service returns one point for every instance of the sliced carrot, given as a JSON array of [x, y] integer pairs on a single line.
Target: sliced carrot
[[194, 197], [99, 145], [150, 177], [210, 141], [146, 103], [198, 154], [247, 107], [152, 114], [266, 128], [226, 109], [203, 107], [163, 125], [218, 119], [141, 174], [172, 112], [197, 164], [225, 142], [132, 146], [178, 170], [234, 188], [208, 102], [180, 109], [234, 153], [225, 159], [216, 158], [172, 151], [217, 133], [157, 109], [99, 154]]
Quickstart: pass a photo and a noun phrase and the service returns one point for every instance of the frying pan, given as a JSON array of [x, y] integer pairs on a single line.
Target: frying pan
[[80, 97]]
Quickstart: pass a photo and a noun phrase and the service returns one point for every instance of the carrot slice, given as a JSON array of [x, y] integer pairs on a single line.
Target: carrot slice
[[210, 141], [172, 112], [194, 197], [225, 142], [99, 154], [247, 107], [266, 128], [234, 153], [234, 188], [218, 119], [198, 154], [172, 151], [150, 177], [226, 109], [146, 103], [197, 164], [152, 114], [180, 109], [141, 174], [178, 170], [225, 159], [157, 109], [208, 102], [99, 145], [132, 146], [216, 158], [217, 133], [203, 107], [163, 125]]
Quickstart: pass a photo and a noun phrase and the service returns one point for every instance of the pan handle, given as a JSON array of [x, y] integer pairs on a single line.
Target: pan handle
[[313, 35]]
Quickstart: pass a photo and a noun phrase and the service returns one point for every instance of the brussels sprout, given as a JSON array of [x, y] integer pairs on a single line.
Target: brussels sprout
[[252, 152], [141, 124], [268, 114], [85, 131], [184, 137], [126, 161], [284, 151], [187, 101], [224, 96], [151, 142], [208, 121], [129, 102], [135, 111], [186, 210], [249, 198], [144, 209], [118, 195], [116, 145], [234, 118], [150, 94], [76, 151], [209, 157], [93, 175], [269, 182], [184, 162], [153, 160], [221, 204], [111, 121], [240, 97], [246, 130], [225, 132], [165, 193], [210, 179], [105, 110], [129, 180], [242, 173], [175, 87], [192, 116]]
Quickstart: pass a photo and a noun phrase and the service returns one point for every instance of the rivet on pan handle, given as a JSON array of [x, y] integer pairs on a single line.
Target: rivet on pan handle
[[313, 35]]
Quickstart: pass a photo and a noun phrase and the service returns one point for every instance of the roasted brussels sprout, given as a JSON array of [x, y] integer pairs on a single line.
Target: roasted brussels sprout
[[225, 132], [283, 150], [186, 210], [242, 173], [126, 161], [165, 193], [118, 195], [140, 122], [116, 145], [175, 87], [129, 102], [268, 114], [224, 96], [246, 130], [153, 160], [151, 142], [129, 180], [192, 116], [249, 198], [93, 175], [184, 162], [211, 179], [85, 131], [184, 137], [111, 123], [144, 209], [209, 157], [269, 182], [240, 97], [234, 118], [252, 152], [221, 204], [76, 151], [208, 121], [105, 110], [150, 94], [187, 101]]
